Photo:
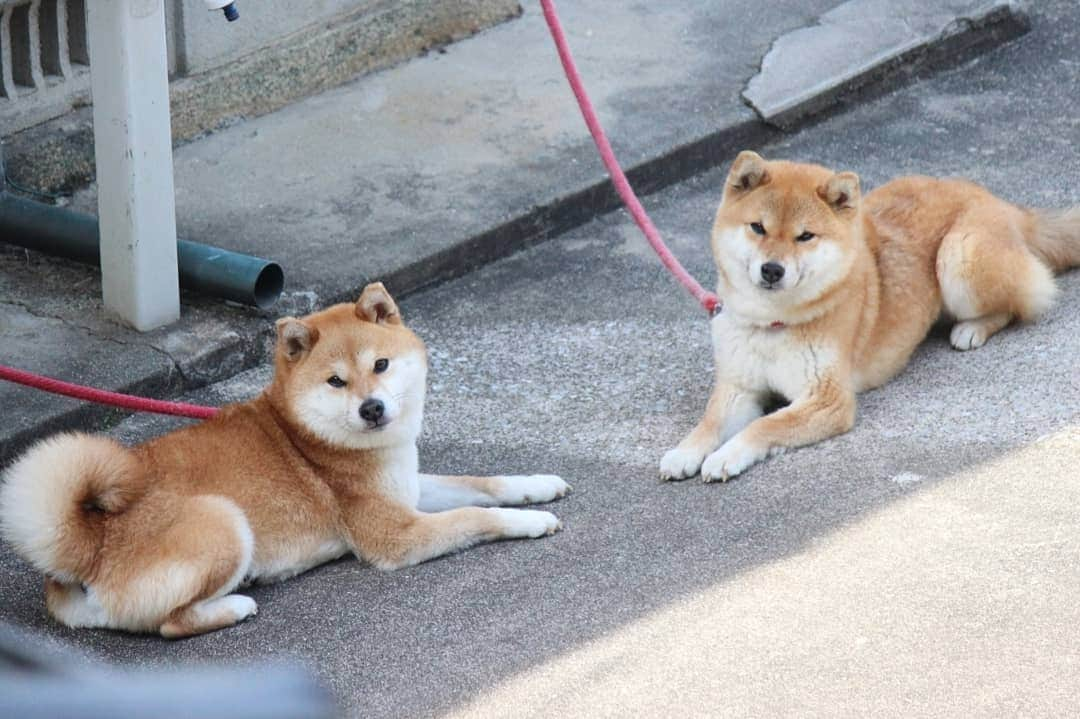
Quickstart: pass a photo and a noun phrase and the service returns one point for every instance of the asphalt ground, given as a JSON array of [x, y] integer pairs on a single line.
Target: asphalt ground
[[923, 564]]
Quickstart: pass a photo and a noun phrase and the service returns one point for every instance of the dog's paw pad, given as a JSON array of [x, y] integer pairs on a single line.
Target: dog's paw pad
[[680, 463], [969, 335], [533, 488], [529, 523], [240, 606], [732, 459]]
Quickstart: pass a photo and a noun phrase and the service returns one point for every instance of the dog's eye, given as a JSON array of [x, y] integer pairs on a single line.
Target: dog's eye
[[336, 381], [757, 228], [804, 237], [381, 365]]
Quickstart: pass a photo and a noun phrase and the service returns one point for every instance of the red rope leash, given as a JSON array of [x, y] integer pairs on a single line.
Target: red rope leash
[[115, 399], [707, 299]]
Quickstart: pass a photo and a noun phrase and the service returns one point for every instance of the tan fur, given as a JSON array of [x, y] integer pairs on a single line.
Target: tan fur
[[1054, 237], [159, 535], [855, 298]]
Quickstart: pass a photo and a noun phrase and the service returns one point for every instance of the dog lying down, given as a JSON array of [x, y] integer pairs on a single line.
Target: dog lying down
[[157, 538], [827, 293]]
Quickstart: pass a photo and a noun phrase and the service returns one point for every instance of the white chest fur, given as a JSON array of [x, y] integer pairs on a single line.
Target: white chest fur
[[398, 473], [767, 359]]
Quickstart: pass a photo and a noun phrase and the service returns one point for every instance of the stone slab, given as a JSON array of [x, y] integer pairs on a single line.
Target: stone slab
[[863, 41]]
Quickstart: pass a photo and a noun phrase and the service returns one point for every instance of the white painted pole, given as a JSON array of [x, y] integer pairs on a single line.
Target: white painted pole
[[133, 148]]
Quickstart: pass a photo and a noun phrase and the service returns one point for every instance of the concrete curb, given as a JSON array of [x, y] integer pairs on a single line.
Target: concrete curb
[[873, 42]]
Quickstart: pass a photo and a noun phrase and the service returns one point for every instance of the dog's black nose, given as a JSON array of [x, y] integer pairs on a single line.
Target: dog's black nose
[[372, 410], [772, 272]]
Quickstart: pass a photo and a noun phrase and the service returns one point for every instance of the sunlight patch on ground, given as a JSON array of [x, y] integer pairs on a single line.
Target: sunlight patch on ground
[[961, 597]]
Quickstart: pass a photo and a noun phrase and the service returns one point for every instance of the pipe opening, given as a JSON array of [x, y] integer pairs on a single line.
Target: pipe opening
[[269, 285]]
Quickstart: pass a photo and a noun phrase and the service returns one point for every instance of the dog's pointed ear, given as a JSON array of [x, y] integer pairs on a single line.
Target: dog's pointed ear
[[749, 171], [376, 305], [841, 192], [295, 339]]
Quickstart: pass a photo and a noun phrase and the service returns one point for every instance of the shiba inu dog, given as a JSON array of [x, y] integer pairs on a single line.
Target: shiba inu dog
[[826, 294], [157, 538]]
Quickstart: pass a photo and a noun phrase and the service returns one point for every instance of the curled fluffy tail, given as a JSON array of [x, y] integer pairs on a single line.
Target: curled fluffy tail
[[57, 498], [1056, 238]]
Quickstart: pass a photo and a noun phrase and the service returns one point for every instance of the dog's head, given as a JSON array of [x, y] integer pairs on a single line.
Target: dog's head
[[785, 235], [353, 375]]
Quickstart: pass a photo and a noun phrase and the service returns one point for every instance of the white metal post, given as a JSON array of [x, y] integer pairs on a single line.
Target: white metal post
[[129, 78]]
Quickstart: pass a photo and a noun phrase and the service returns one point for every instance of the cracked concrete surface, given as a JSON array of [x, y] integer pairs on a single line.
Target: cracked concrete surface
[[863, 41]]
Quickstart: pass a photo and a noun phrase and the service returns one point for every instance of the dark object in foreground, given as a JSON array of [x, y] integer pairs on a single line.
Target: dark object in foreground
[[39, 684]]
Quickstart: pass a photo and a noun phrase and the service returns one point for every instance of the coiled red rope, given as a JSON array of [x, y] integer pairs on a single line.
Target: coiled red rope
[[114, 399], [707, 299]]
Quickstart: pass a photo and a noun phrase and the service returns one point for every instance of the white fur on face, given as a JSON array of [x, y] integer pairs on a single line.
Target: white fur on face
[[333, 414], [820, 267], [742, 259], [807, 276]]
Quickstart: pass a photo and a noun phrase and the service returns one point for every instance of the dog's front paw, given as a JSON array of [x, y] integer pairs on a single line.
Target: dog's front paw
[[730, 460], [970, 335], [680, 463], [531, 523], [532, 488]]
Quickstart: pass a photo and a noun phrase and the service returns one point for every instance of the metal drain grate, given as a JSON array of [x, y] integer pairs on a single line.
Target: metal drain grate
[[44, 64]]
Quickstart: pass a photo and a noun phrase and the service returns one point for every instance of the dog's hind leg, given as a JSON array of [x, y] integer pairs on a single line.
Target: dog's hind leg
[[208, 615], [989, 277], [225, 559], [439, 493], [728, 412], [171, 571]]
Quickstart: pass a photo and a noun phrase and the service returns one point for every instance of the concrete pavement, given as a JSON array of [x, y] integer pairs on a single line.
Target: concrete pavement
[[925, 564]]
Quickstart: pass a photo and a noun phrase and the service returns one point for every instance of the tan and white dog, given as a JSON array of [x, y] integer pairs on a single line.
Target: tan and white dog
[[826, 294], [157, 538]]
